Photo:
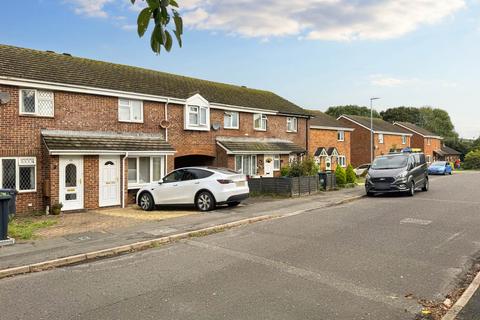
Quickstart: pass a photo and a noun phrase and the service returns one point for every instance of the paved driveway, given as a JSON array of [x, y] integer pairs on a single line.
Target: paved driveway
[[356, 261]]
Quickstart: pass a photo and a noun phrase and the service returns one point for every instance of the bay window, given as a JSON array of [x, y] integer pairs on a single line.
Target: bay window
[[144, 170], [18, 173]]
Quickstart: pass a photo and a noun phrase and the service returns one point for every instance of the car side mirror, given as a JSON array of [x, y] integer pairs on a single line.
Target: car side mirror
[[160, 181]]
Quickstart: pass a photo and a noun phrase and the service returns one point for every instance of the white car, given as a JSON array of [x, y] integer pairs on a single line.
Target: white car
[[205, 187], [360, 170]]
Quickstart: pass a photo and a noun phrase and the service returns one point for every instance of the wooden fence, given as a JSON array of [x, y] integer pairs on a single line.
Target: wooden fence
[[289, 186]]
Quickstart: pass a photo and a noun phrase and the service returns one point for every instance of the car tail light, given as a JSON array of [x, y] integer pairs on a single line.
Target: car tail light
[[225, 181]]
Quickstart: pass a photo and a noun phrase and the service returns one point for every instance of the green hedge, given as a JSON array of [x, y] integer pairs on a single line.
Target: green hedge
[[340, 176], [472, 160]]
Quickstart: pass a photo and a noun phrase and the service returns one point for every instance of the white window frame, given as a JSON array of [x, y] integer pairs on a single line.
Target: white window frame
[[404, 139], [130, 106], [253, 164], [290, 121], [263, 121], [277, 163], [341, 135], [342, 161], [21, 112], [230, 124], [381, 138], [136, 185], [18, 164], [200, 104]]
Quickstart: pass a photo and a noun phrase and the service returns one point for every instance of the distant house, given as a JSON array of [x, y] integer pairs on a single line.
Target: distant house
[[386, 137], [329, 140], [430, 143], [447, 154]]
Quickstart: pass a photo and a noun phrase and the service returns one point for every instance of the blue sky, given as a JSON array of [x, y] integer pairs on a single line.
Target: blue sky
[[315, 53]]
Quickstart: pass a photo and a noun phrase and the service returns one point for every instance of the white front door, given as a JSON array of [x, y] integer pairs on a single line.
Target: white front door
[[109, 179], [268, 165], [71, 182]]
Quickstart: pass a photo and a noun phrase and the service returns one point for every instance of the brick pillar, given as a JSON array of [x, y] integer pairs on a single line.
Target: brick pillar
[[91, 182]]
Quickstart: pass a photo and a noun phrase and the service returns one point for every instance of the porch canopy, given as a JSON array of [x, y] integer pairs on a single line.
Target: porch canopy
[[244, 145], [326, 152], [61, 142]]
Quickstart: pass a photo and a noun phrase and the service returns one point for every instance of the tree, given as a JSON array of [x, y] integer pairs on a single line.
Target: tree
[[354, 110], [472, 160], [340, 176], [163, 12], [351, 176], [437, 121], [403, 114]]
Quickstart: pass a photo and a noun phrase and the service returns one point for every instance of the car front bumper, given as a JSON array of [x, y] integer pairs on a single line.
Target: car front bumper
[[397, 186]]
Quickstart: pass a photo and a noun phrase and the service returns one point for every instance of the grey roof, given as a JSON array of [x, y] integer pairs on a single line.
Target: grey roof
[[328, 150], [324, 120], [60, 140], [416, 129], [378, 124], [258, 145], [65, 69], [450, 151]]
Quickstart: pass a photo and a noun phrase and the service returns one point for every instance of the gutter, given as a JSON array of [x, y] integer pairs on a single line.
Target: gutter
[[123, 179]]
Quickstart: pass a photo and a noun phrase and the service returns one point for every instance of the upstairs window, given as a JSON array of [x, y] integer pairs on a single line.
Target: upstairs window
[[341, 135], [197, 114], [130, 110], [404, 139], [380, 138], [36, 103], [230, 120], [291, 124], [260, 122]]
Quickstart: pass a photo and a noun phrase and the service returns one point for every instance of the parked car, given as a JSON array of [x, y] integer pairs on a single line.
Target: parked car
[[204, 187], [401, 172], [440, 167], [361, 170]]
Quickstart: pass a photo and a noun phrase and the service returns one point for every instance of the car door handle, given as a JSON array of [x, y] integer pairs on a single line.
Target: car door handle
[[197, 182]]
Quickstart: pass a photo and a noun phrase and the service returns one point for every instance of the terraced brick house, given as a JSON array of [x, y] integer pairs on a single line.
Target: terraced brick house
[[429, 143], [386, 137], [88, 134], [329, 141]]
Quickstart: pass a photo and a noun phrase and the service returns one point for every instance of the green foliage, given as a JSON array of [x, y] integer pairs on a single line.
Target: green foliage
[[337, 111], [351, 176], [340, 176], [307, 167], [437, 121], [164, 15], [403, 114], [25, 229], [472, 160]]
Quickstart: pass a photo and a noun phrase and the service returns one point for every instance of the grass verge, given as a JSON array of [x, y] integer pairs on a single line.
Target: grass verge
[[24, 229]]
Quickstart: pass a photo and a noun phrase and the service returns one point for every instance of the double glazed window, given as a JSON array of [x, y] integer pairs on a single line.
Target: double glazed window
[[143, 170], [404, 139], [341, 135], [36, 102], [18, 173], [342, 161], [291, 124], [246, 164], [260, 122], [197, 116], [276, 162], [130, 110], [380, 138], [230, 120]]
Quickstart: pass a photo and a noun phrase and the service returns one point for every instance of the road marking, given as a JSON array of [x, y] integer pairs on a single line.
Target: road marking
[[445, 200], [416, 221], [326, 278], [451, 238]]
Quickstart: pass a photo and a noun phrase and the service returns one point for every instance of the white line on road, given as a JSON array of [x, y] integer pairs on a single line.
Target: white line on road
[[445, 200], [451, 238], [325, 278]]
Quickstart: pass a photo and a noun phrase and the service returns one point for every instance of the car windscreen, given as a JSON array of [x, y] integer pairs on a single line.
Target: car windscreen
[[439, 164], [384, 163]]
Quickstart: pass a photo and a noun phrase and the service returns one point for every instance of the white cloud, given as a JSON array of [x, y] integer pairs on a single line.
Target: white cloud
[[339, 20], [380, 80], [91, 8]]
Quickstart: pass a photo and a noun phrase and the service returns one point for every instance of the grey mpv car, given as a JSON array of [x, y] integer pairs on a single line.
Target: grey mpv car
[[399, 172]]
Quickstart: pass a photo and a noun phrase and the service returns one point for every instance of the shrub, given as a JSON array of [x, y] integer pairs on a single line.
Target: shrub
[[307, 167], [351, 176], [340, 176], [472, 160]]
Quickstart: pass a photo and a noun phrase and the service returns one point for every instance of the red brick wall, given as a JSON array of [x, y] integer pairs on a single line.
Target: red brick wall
[[328, 138]]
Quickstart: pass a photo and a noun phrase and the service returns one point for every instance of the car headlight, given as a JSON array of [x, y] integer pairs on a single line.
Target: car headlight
[[367, 177], [402, 175]]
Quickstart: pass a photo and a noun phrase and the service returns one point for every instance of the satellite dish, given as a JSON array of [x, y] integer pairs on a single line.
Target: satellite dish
[[165, 124], [216, 126], [4, 97]]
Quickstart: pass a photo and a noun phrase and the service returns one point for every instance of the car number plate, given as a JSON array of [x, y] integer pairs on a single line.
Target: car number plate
[[382, 186]]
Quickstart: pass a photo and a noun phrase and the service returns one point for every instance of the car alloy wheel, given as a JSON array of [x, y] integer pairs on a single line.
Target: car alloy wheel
[[411, 192], [146, 202], [205, 201], [426, 185]]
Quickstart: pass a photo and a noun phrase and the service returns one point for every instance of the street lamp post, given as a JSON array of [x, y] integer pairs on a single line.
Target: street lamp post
[[372, 150]]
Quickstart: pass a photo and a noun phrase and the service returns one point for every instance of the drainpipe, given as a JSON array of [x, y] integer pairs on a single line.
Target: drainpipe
[[123, 179], [166, 136]]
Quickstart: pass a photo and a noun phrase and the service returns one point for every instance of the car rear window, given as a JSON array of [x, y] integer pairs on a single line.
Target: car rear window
[[197, 174]]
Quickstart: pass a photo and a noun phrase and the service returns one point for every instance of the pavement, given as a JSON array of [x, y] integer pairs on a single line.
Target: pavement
[[472, 310], [37, 251], [374, 258]]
